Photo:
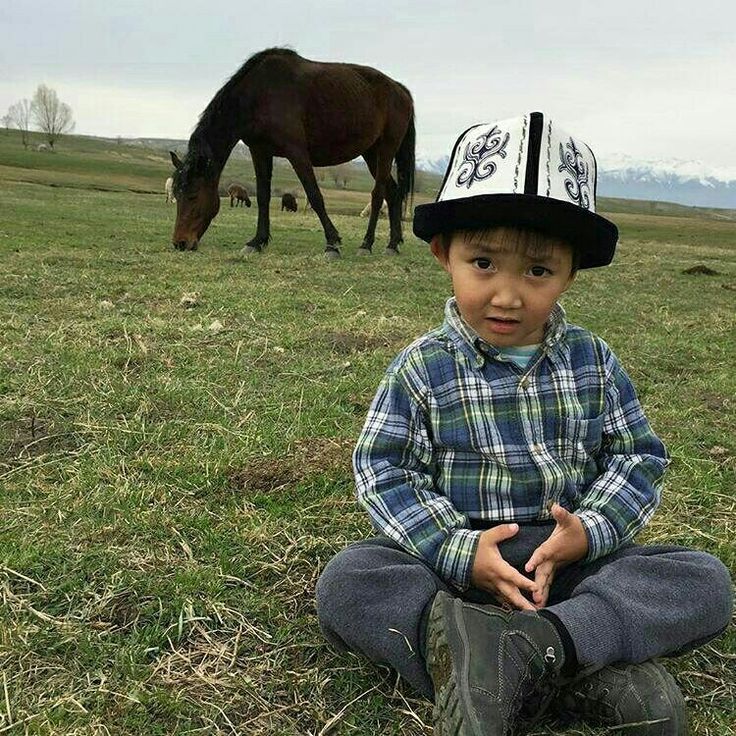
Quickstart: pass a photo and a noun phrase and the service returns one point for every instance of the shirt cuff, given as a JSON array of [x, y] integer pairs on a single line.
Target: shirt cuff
[[455, 557], [602, 535]]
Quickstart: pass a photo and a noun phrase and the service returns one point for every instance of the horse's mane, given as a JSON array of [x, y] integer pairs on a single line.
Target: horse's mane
[[219, 102], [199, 154]]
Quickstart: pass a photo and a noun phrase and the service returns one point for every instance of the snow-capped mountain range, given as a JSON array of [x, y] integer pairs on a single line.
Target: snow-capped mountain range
[[670, 180]]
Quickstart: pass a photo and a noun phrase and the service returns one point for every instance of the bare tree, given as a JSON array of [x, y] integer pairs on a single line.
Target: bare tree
[[53, 117], [340, 175], [6, 121], [19, 115]]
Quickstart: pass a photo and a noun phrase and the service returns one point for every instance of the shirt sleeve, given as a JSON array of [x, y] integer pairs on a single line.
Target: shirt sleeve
[[394, 466], [632, 461]]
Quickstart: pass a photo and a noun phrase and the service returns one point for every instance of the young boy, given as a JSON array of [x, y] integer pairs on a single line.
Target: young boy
[[507, 464]]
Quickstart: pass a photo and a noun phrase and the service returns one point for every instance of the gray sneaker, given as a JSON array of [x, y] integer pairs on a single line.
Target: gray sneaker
[[639, 699], [486, 663]]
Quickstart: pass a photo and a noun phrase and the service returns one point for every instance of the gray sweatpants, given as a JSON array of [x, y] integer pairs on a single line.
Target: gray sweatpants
[[638, 603]]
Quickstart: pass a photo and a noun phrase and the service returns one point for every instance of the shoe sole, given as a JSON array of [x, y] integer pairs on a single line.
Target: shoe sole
[[448, 712]]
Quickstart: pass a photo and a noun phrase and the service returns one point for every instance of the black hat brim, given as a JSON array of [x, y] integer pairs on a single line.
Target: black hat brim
[[592, 236]]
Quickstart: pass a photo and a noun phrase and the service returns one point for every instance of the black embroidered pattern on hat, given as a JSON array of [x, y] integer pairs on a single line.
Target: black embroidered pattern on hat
[[477, 160], [575, 165]]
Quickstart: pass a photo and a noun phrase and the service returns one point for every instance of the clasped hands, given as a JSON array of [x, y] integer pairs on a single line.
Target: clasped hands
[[568, 543]]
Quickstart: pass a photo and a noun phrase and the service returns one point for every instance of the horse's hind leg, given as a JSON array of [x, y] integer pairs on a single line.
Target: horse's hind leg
[[393, 199], [366, 246], [305, 172], [263, 165], [379, 164]]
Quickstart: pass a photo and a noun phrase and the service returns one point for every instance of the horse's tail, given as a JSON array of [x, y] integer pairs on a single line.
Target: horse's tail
[[406, 165]]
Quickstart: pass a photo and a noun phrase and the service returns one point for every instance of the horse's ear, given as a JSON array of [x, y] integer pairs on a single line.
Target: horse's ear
[[175, 160]]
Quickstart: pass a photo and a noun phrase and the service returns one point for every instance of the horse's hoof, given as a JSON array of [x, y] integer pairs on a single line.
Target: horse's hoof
[[249, 250], [391, 251], [332, 254], [364, 250]]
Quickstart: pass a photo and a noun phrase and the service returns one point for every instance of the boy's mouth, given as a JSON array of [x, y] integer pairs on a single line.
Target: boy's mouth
[[504, 320], [503, 324]]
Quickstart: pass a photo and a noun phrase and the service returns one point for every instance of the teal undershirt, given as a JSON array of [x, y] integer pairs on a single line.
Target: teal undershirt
[[520, 354]]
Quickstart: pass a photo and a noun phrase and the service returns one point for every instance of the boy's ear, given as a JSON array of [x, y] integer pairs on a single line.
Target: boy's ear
[[439, 252]]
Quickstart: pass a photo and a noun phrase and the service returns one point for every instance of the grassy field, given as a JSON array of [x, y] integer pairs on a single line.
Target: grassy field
[[82, 162], [174, 473]]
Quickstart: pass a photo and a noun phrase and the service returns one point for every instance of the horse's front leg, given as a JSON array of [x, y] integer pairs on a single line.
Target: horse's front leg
[[303, 168], [263, 166]]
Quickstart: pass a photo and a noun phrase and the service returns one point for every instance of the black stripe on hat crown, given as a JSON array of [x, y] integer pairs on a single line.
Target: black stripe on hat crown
[[536, 128]]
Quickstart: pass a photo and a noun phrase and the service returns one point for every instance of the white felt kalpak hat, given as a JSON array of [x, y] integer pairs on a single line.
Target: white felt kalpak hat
[[527, 172]]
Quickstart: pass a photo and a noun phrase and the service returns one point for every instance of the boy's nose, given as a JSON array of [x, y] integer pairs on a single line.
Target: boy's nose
[[505, 296]]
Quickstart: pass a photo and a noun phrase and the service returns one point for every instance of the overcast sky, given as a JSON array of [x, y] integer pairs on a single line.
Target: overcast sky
[[648, 78]]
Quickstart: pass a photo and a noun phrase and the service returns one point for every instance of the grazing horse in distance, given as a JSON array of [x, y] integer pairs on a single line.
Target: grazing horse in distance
[[312, 113], [288, 202], [238, 195], [169, 189]]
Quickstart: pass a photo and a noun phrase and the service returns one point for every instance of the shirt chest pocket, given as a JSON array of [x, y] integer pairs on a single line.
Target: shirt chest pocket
[[578, 440]]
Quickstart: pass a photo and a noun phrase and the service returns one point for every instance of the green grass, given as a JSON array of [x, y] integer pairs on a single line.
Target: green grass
[[171, 488]]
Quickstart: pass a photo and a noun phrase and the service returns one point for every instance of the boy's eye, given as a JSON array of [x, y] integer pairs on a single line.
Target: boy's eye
[[539, 271], [484, 263]]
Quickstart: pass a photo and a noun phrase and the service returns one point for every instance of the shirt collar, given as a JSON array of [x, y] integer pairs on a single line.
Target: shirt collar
[[478, 350]]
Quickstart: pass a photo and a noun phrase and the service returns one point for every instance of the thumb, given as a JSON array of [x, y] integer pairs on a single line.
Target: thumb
[[501, 532], [560, 514]]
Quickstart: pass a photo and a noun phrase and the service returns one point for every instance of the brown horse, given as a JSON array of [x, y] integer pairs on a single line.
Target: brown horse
[[312, 113], [238, 195]]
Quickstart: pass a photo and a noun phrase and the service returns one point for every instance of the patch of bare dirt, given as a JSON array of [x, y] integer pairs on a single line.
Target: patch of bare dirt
[[28, 437], [304, 459], [717, 402], [723, 456], [701, 270]]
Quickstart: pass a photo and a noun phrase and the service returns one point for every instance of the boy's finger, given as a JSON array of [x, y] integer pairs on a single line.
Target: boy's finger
[[523, 583], [560, 514], [538, 557], [544, 577], [515, 598], [501, 532], [512, 576]]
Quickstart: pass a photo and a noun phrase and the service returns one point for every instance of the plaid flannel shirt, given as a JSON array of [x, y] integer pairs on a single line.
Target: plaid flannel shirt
[[456, 432]]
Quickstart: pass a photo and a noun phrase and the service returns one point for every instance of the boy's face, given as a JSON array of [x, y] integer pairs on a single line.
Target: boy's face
[[504, 293]]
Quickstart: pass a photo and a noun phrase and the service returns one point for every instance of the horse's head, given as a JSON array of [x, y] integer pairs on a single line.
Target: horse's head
[[197, 198]]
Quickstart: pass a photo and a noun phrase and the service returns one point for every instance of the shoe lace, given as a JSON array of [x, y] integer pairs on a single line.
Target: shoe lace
[[585, 700], [535, 696]]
